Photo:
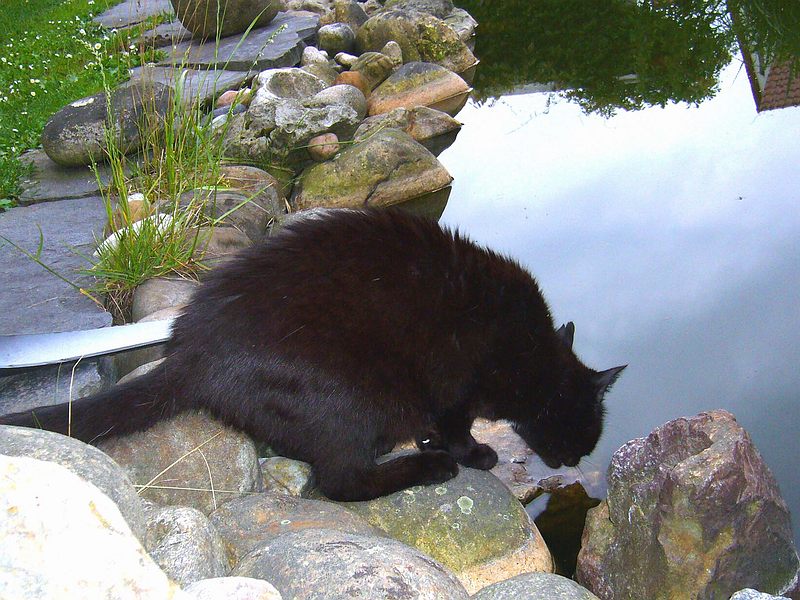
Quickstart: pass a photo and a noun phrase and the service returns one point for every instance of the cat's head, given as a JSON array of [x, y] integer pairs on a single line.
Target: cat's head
[[565, 427]]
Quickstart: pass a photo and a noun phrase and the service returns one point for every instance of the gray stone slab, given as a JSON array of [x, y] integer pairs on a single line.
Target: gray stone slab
[[34, 300], [50, 181], [132, 12], [206, 86], [166, 34], [279, 44]]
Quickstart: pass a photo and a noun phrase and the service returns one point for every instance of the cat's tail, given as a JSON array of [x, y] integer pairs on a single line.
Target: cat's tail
[[121, 409]]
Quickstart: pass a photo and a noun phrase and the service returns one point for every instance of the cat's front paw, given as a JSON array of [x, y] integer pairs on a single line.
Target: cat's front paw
[[437, 467], [479, 456]]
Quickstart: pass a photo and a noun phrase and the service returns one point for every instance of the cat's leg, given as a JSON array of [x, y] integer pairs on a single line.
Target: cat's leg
[[452, 434]]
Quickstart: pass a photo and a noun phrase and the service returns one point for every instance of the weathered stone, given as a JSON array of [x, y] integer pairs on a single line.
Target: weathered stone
[[190, 460], [165, 34], [313, 56], [249, 212], [692, 511], [133, 12], [139, 371], [437, 8], [323, 147], [196, 87], [463, 24], [336, 37], [347, 95], [393, 50], [420, 84], [374, 68], [355, 79], [50, 181], [246, 523], [535, 586], [750, 594], [422, 37], [275, 84], [128, 362], [338, 566], [160, 293], [326, 72], [279, 44], [182, 541], [286, 476], [345, 59], [240, 97], [46, 510], [432, 128], [387, 168], [217, 19], [470, 524], [76, 135], [350, 12], [252, 180], [232, 588], [87, 462]]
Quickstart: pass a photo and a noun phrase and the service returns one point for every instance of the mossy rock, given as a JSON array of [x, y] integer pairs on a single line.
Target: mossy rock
[[420, 84]]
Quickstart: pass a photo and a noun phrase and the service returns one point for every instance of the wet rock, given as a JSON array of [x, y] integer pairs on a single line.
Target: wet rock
[[420, 84], [214, 19], [374, 68], [535, 586], [338, 566], [160, 293], [471, 524], [182, 541], [432, 128], [246, 523], [50, 181], [323, 147], [76, 135], [387, 168], [692, 511], [232, 588], [45, 509], [336, 37], [347, 95], [189, 460], [286, 476], [87, 462], [422, 37], [279, 44]]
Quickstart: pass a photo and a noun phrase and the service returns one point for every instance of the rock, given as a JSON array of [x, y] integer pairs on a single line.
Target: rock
[[275, 84], [350, 12], [217, 244], [422, 37], [471, 524], [432, 128], [196, 87], [326, 72], [420, 84], [750, 594], [345, 59], [692, 511], [286, 476], [347, 95], [165, 34], [232, 588], [395, 53], [437, 8], [76, 135], [323, 147], [142, 370], [160, 293], [249, 212], [50, 181], [128, 362], [189, 460], [387, 168], [217, 19], [336, 37], [87, 462], [313, 56], [246, 523], [46, 510], [374, 68], [279, 44], [355, 79], [535, 586], [463, 24], [240, 97], [324, 564], [184, 544], [132, 12], [254, 181]]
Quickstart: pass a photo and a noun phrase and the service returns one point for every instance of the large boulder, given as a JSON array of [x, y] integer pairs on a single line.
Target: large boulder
[[692, 511], [190, 460], [432, 128], [386, 168], [233, 588], [535, 586], [222, 18], [420, 84], [422, 37], [325, 564], [471, 524], [77, 134], [63, 538]]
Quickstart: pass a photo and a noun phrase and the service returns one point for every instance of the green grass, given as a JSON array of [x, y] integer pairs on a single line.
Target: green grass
[[51, 54]]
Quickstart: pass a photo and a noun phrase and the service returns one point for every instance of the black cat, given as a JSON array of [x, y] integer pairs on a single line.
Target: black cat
[[351, 330]]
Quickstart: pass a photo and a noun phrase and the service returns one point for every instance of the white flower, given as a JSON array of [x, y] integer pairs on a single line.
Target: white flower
[[33, 93], [82, 31], [97, 46]]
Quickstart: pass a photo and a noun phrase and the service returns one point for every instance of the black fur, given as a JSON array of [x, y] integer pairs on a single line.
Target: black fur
[[349, 331]]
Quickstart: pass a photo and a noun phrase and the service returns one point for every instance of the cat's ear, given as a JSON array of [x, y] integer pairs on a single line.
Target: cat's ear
[[567, 334], [605, 379]]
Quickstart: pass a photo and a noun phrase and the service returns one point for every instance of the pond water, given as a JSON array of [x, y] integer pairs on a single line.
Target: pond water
[[670, 236]]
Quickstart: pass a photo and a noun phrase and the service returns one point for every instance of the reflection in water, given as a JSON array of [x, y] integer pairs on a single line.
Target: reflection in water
[[670, 236]]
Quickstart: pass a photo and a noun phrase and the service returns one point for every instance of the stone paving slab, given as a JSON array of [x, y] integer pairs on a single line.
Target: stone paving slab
[[132, 12], [279, 44], [166, 34], [50, 181], [205, 86]]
